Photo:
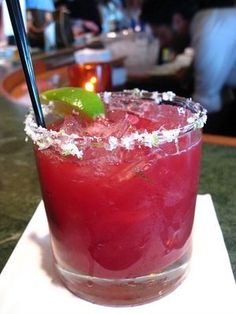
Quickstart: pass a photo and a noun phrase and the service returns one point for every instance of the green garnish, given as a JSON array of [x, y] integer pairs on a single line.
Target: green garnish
[[75, 98]]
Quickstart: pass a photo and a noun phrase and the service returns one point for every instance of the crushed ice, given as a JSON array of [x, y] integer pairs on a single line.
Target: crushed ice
[[67, 144]]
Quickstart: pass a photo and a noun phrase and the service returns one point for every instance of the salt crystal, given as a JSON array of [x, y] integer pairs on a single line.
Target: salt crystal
[[113, 143]]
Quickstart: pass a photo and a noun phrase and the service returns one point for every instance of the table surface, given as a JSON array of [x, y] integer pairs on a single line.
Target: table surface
[[20, 192]]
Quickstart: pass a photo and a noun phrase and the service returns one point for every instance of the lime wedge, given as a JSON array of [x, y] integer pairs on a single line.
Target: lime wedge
[[75, 98]]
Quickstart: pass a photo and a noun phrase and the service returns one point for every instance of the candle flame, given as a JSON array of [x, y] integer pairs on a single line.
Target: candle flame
[[93, 80], [89, 86]]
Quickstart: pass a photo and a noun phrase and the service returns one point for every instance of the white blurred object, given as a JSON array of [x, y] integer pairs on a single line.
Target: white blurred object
[[7, 28], [50, 36], [8, 52], [140, 49], [88, 55], [185, 59]]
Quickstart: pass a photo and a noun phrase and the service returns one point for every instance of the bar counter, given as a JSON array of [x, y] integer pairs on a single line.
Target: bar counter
[[20, 192]]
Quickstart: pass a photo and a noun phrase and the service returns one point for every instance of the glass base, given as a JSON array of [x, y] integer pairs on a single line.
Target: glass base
[[124, 292]]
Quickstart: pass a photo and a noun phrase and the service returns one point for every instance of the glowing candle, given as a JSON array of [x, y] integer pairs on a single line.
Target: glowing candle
[[92, 70], [89, 86], [93, 80]]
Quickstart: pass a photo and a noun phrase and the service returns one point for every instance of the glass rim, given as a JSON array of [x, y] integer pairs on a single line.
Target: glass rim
[[73, 144]]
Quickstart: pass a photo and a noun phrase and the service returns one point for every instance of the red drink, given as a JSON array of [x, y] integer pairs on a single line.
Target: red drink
[[121, 217]]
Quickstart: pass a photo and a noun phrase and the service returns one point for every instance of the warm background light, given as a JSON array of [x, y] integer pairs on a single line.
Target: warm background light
[[93, 80], [89, 86]]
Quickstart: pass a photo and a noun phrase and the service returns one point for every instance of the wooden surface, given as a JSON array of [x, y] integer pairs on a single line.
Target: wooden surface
[[220, 140], [13, 86]]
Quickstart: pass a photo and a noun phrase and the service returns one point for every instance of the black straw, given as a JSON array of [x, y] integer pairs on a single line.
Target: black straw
[[23, 47]]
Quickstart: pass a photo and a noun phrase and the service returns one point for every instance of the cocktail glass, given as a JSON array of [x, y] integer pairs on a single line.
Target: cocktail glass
[[120, 193]]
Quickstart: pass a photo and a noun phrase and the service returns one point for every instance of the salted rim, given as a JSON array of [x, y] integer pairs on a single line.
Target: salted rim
[[73, 144]]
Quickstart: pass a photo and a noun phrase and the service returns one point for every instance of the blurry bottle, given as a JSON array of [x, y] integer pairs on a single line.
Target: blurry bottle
[[112, 13], [50, 36]]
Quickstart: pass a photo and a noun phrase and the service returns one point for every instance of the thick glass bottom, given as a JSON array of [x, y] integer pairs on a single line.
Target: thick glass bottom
[[125, 292]]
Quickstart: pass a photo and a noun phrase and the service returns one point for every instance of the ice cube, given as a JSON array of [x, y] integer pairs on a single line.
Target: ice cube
[[72, 125]]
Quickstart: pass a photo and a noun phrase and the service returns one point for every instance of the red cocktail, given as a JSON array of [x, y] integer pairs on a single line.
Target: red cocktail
[[120, 195]]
